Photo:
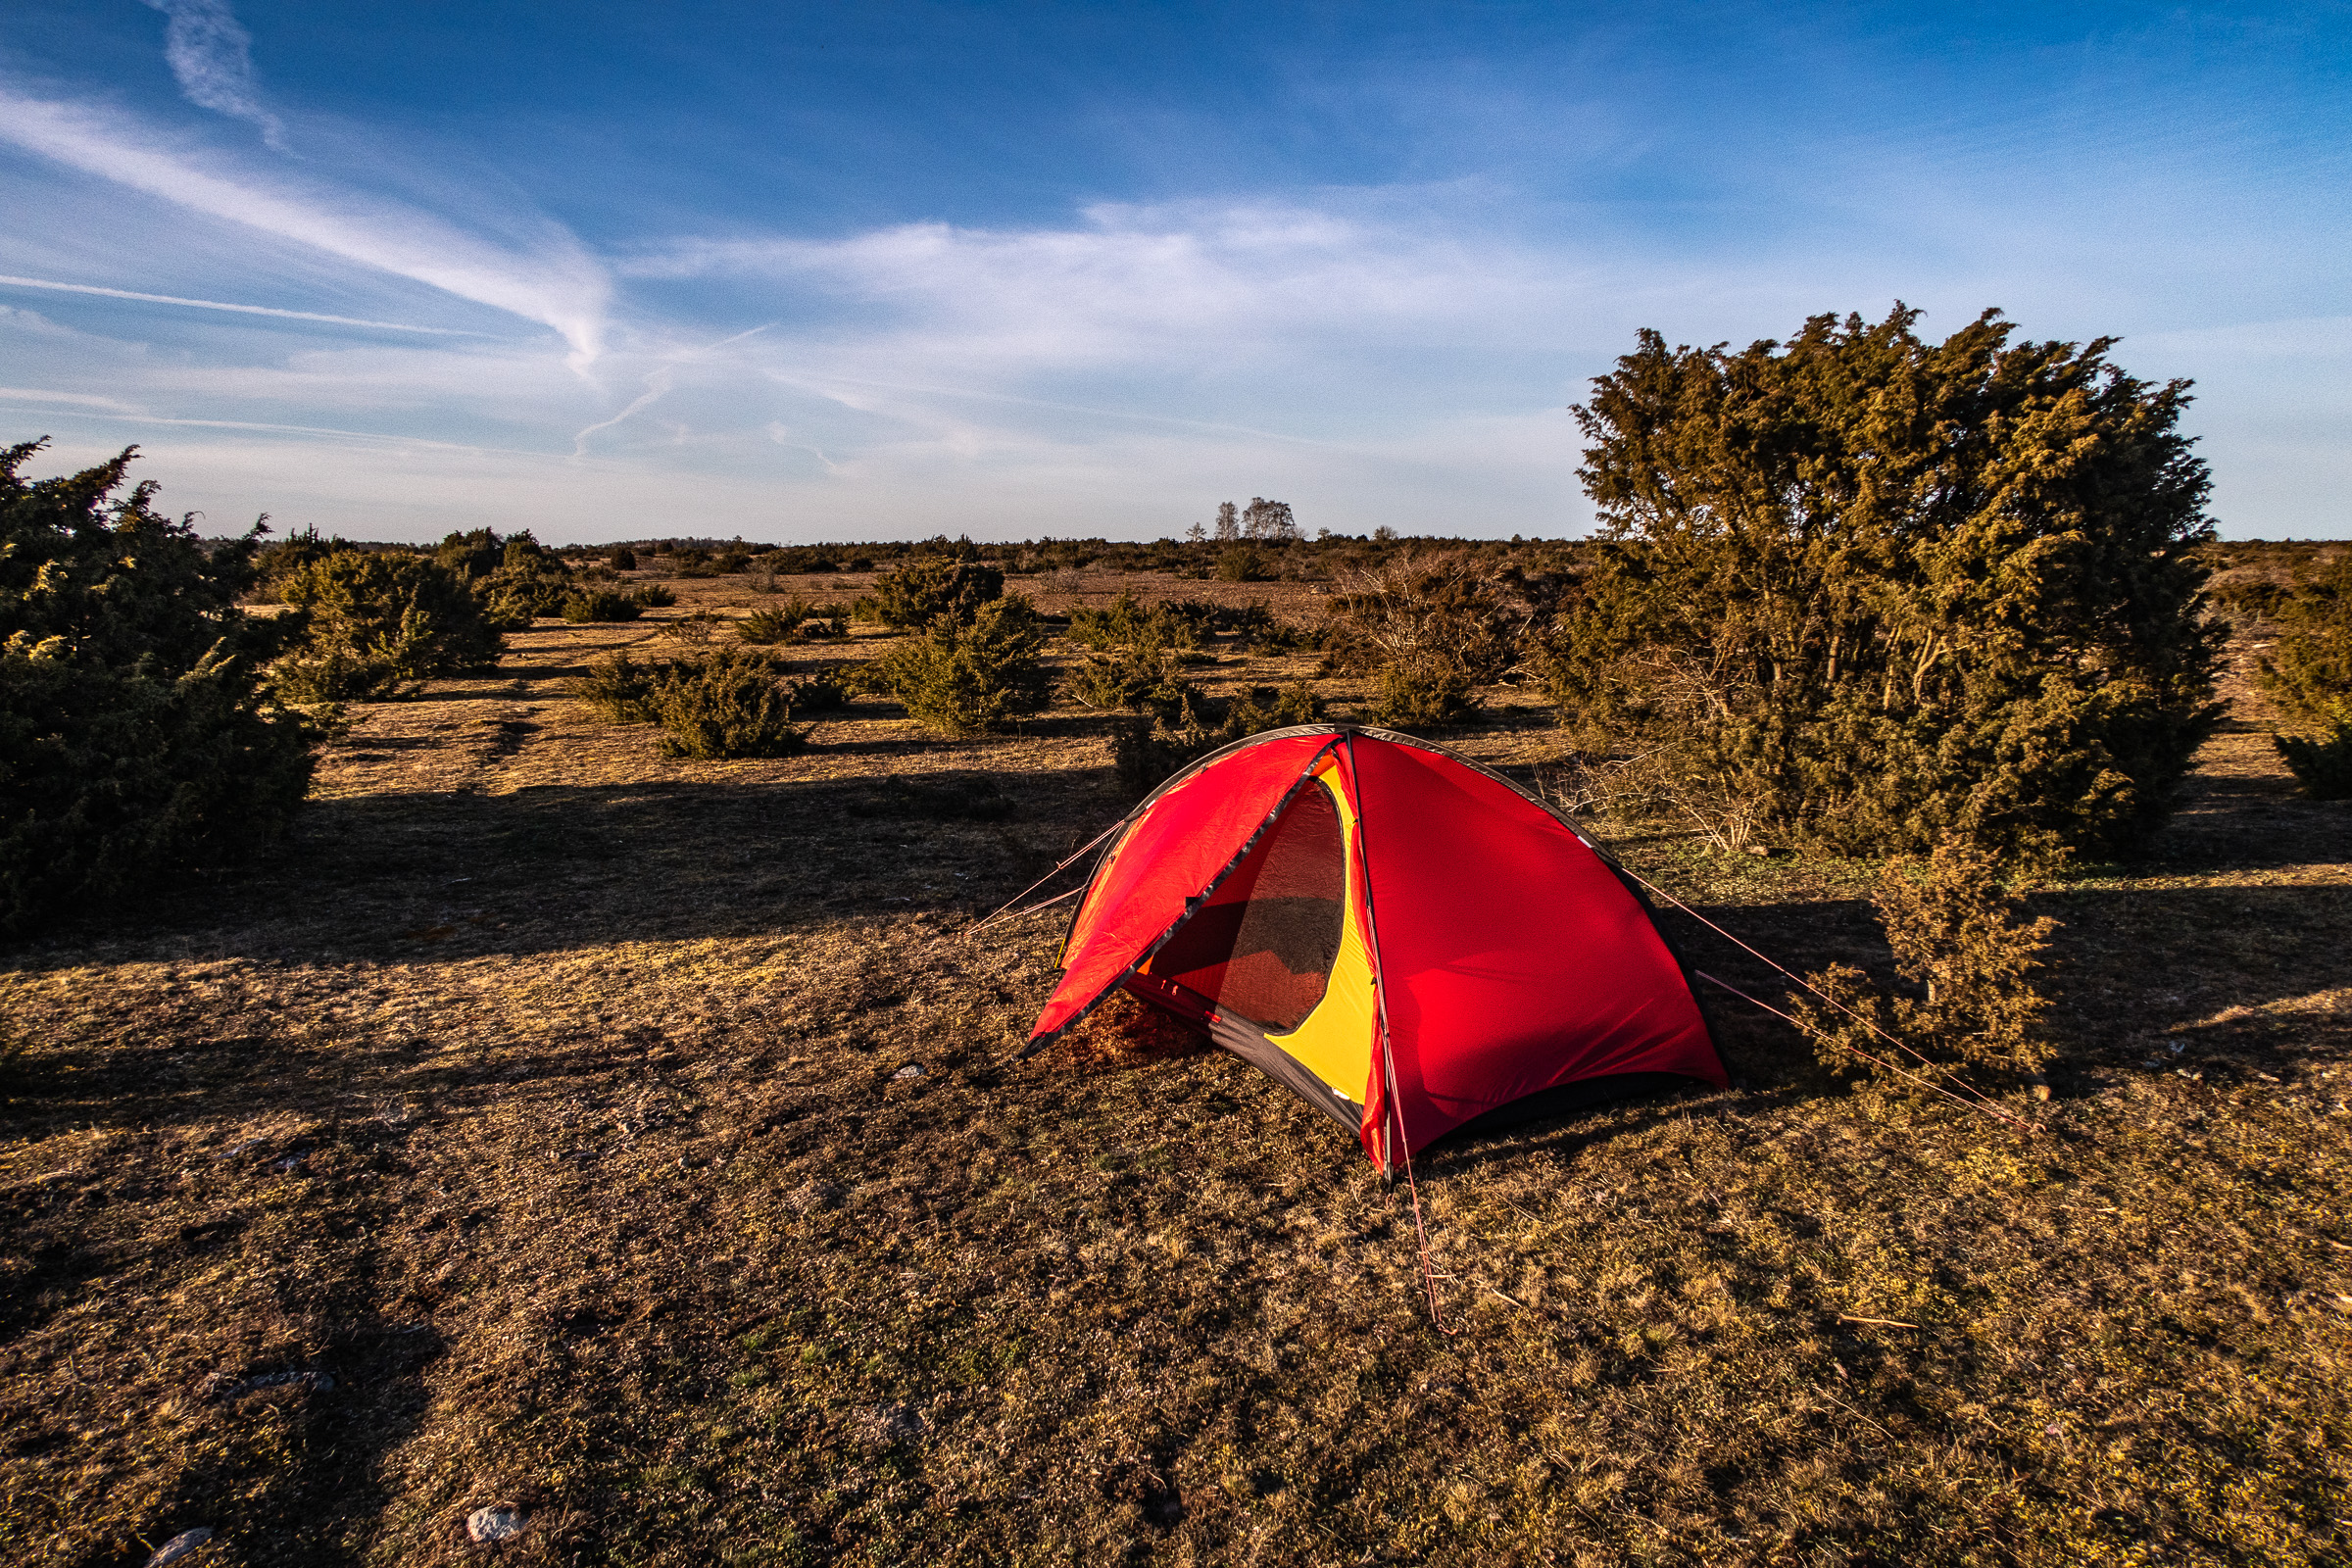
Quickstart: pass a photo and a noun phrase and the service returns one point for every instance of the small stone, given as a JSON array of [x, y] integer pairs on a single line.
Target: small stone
[[913, 1069], [181, 1545], [886, 1425], [813, 1196], [494, 1524]]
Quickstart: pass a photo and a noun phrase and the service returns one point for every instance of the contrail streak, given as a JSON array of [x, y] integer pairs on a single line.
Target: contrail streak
[[222, 305], [654, 385]]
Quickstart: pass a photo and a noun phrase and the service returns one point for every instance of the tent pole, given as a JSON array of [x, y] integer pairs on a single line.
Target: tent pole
[[1393, 1101]]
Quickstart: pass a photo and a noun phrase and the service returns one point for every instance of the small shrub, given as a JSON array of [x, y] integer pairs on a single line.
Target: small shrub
[[2323, 767], [1147, 751], [732, 703], [796, 620], [2308, 670], [766, 627], [1959, 939], [823, 692], [1431, 631], [920, 591], [620, 688], [524, 554], [1127, 621], [1254, 626], [512, 600], [654, 597], [1413, 607], [602, 603], [470, 556], [1241, 564], [963, 678], [1134, 677], [380, 624], [2249, 599], [1424, 694], [1266, 707], [624, 559], [274, 562], [694, 630]]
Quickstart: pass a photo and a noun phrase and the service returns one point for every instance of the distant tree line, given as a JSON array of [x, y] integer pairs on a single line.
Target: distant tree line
[[1858, 590]]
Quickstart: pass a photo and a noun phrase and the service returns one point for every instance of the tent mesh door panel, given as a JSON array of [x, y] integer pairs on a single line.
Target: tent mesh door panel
[[1263, 947]]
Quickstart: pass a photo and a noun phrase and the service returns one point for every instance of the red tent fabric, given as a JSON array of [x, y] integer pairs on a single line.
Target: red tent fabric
[[1513, 958], [1483, 949], [1191, 832]]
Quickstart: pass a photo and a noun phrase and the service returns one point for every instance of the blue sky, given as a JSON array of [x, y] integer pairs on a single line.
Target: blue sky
[[883, 269]]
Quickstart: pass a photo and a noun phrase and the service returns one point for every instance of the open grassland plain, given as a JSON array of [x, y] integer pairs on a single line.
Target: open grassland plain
[[636, 1144]]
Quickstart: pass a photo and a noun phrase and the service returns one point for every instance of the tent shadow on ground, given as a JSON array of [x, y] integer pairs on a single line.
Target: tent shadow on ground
[[1564, 1134]]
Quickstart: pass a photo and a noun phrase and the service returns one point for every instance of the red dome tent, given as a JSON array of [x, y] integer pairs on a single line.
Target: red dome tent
[[1405, 939]]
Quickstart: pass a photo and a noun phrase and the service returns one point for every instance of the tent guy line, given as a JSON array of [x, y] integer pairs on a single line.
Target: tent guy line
[[1977, 1099], [1068, 861], [1980, 1104]]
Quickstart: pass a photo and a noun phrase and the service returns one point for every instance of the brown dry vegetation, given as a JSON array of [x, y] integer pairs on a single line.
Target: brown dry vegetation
[[531, 1129]]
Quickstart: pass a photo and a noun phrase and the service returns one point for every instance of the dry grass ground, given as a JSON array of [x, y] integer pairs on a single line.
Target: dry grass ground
[[537, 1129]]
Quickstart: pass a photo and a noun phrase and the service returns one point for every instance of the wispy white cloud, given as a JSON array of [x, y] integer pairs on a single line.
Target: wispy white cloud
[[1195, 281], [80, 400], [560, 285], [211, 56], [222, 305]]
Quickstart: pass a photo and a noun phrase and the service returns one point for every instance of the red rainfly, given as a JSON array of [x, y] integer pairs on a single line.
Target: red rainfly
[[1374, 910]]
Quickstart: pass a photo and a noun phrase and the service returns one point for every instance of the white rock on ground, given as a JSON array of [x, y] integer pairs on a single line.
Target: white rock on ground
[[181, 1545], [494, 1524]]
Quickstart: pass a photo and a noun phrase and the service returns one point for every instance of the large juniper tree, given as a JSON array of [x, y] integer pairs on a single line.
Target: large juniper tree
[[135, 734], [1873, 592]]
